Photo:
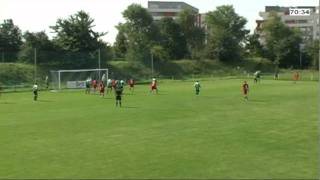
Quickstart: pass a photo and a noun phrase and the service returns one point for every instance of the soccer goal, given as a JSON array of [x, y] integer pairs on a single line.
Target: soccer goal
[[76, 79]]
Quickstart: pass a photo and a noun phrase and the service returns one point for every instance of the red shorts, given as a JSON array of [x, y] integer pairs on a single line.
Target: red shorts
[[101, 90], [153, 87], [245, 92], [95, 86]]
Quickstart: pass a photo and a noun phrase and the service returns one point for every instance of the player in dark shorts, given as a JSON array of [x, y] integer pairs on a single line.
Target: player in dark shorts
[[102, 87], [257, 77], [154, 86], [47, 82], [197, 87], [118, 93], [276, 76], [245, 90], [88, 86], [131, 85], [35, 91]]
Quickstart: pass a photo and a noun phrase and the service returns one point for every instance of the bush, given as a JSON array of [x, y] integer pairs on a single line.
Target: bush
[[255, 63], [188, 68], [201, 67], [16, 73], [125, 70]]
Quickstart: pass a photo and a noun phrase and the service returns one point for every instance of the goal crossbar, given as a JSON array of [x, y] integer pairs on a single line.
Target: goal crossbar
[[80, 70]]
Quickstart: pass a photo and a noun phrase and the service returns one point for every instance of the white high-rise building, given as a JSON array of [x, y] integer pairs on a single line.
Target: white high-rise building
[[161, 9], [308, 25]]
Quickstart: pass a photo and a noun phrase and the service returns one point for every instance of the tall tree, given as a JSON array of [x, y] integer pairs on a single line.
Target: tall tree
[[140, 31], [194, 34], [254, 46], [10, 40], [312, 51], [172, 38], [282, 42], [121, 44], [226, 33], [75, 35], [39, 41]]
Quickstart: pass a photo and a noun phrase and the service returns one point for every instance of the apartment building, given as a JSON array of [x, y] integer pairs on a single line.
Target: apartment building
[[161, 9], [308, 25]]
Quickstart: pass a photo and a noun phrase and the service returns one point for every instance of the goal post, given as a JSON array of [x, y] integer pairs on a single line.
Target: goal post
[[76, 78]]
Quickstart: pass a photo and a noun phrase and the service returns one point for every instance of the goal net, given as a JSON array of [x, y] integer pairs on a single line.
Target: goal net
[[76, 79]]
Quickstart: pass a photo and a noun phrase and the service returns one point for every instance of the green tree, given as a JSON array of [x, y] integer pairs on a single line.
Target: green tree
[[160, 57], [312, 53], [40, 41], [10, 40], [253, 46], [121, 44], [226, 34], [282, 43], [193, 33], [77, 40], [140, 31], [159, 54], [76, 33], [106, 54], [172, 38]]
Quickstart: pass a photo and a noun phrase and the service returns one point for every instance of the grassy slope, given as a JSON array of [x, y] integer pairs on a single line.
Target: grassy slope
[[171, 135]]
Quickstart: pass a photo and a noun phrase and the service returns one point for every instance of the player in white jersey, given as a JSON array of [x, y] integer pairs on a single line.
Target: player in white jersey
[[35, 91]]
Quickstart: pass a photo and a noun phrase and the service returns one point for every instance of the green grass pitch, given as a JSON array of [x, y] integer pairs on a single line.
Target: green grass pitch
[[171, 135]]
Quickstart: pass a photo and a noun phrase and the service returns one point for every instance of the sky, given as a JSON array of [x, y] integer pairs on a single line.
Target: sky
[[38, 15]]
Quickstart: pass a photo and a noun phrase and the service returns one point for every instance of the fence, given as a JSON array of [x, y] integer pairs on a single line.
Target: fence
[[19, 70]]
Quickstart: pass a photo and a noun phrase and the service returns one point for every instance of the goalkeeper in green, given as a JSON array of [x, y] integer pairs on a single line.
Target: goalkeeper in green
[[197, 87]]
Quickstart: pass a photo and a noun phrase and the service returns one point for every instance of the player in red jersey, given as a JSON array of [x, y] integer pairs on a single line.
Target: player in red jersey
[[113, 83], [296, 77], [102, 87], [131, 85], [94, 85], [245, 90], [154, 86]]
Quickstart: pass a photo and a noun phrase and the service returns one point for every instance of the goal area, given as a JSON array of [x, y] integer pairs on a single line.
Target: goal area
[[76, 78]]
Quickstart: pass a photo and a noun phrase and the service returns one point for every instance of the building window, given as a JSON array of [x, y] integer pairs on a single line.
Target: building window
[[157, 14], [302, 21], [169, 14], [154, 6], [168, 6], [290, 21]]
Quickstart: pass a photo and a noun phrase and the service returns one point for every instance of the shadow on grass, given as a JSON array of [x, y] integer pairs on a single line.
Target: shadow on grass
[[129, 107], [43, 100], [107, 98], [5, 102], [159, 94], [205, 96], [258, 101]]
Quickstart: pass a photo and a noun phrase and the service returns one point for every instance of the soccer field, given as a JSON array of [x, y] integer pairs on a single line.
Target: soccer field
[[170, 135]]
